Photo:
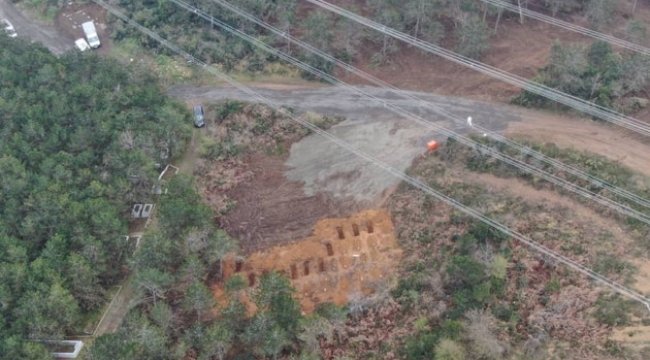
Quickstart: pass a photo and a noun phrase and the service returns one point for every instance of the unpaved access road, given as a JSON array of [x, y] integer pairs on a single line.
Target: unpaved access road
[[35, 31], [325, 167]]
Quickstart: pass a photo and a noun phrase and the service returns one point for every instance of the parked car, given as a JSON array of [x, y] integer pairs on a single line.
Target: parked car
[[81, 44], [199, 116], [8, 28], [91, 34]]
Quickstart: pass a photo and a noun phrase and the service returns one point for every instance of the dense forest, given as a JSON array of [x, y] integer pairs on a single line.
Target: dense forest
[[423, 19], [465, 26], [596, 73], [79, 140], [592, 72]]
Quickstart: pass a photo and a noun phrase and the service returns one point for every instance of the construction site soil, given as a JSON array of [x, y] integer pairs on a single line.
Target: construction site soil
[[343, 258], [281, 197], [271, 210]]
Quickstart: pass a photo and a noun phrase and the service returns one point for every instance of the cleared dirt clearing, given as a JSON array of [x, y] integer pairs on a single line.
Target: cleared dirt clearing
[[343, 257]]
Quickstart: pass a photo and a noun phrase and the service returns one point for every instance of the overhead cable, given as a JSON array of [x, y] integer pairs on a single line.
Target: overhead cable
[[481, 148], [569, 26], [623, 290], [577, 103], [525, 150]]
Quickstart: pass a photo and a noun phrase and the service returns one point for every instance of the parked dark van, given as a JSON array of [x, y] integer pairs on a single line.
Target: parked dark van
[[198, 116]]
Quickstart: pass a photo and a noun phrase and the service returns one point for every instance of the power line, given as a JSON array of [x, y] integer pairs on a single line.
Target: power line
[[481, 148], [625, 291], [523, 149], [531, 86], [572, 27]]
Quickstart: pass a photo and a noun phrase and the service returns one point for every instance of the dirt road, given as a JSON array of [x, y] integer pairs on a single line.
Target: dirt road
[[117, 310], [324, 167], [332, 100], [35, 31]]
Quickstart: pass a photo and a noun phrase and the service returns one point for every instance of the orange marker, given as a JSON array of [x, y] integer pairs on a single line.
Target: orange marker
[[432, 145]]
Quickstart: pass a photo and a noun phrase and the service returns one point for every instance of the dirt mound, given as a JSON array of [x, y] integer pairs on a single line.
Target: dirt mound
[[344, 257]]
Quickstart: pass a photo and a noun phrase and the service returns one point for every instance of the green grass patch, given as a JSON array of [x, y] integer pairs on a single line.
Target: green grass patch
[[613, 310]]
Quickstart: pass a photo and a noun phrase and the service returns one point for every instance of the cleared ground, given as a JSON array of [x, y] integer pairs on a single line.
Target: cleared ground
[[343, 258], [321, 165], [69, 19]]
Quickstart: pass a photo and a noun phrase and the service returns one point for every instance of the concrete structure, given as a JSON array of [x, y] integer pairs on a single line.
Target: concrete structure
[[136, 211], [147, 210], [67, 355]]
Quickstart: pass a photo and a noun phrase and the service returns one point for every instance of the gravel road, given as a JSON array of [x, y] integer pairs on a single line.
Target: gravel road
[[30, 29], [323, 166]]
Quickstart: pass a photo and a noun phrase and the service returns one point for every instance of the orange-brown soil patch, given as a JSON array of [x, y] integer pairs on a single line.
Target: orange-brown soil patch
[[343, 257]]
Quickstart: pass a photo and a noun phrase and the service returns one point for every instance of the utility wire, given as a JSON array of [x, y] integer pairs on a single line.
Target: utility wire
[[531, 86], [481, 148], [623, 290], [523, 149], [568, 26]]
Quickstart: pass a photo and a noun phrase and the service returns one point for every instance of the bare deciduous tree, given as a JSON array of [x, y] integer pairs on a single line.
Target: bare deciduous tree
[[483, 342], [421, 15], [561, 5], [600, 12], [352, 33], [153, 282]]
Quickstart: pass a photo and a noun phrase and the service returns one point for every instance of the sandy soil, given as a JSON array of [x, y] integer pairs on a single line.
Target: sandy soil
[[325, 167], [325, 267], [612, 142], [528, 193], [515, 48], [633, 335], [642, 275]]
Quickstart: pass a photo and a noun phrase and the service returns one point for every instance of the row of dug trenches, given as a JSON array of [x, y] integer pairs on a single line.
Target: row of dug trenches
[[342, 259]]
